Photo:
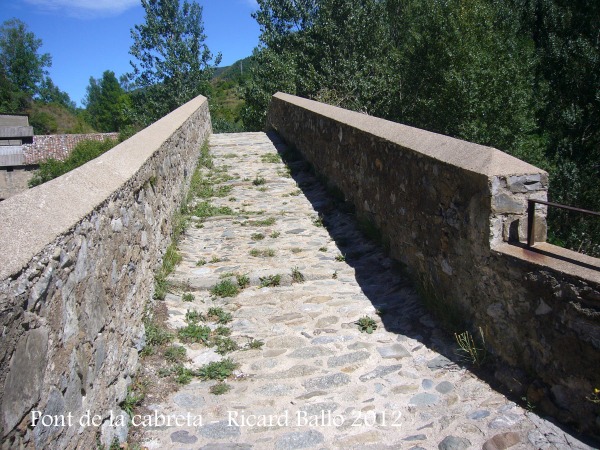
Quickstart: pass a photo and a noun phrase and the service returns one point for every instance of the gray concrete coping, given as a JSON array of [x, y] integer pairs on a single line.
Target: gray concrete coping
[[476, 158], [33, 219]]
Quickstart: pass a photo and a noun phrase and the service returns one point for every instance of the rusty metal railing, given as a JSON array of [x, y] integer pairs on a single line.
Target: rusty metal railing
[[531, 216]]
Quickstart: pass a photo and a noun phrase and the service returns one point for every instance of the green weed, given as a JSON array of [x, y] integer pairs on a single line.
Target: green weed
[[255, 344], [258, 181], [270, 158], [205, 156], [297, 276], [182, 374], [471, 351], [217, 370], [243, 281], [224, 288], [227, 275], [193, 316], [270, 280], [222, 331], [194, 333], [219, 315], [161, 286], [188, 297], [266, 253], [134, 397], [220, 389], [260, 223], [223, 191], [156, 335], [164, 372], [171, 259], [206, 209], [180, 224], [366, 324], [224, 345], [175, 354]]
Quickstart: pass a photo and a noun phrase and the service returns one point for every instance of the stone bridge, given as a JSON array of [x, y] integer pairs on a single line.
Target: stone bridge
[[310, 302]]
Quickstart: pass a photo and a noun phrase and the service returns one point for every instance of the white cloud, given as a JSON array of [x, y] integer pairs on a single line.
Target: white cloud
[[85, 8]]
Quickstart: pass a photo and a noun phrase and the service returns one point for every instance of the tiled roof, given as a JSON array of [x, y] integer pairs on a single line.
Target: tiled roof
[[58, 146]]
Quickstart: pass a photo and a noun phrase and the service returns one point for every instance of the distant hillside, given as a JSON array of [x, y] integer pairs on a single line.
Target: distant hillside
[[226, 100], [56, 119], [235, 72]]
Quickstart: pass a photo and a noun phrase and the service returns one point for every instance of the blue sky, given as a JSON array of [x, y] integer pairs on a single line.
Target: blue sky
[[87, 37]]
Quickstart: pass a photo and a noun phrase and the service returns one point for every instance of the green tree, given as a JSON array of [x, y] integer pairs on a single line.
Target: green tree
[[272, 72], [11, 99], [20, 61], [567, 40], [519, 75], [466, 71], [107, 103], [50, 93], [174, 64], [336, 51]]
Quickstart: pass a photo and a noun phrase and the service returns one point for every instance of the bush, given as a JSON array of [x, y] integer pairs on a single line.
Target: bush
[[221, 125], [83, 152]]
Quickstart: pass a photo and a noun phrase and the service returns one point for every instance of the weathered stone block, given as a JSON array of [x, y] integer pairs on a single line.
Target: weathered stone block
[[42, 435], [505, 203], [525, 183], [25, 377]]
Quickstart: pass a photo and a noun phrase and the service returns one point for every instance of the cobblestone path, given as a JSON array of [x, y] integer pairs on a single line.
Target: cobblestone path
[[319, 381]]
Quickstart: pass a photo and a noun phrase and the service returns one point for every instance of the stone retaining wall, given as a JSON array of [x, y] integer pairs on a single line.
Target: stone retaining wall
[[59, 146], [76, 271], [14, 180], [454, 213]]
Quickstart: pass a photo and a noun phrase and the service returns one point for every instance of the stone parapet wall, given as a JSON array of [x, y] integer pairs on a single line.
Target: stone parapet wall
[[76, 271], [455, 213]]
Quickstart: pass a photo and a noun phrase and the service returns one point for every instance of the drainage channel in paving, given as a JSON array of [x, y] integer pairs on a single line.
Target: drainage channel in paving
[[318, 380]]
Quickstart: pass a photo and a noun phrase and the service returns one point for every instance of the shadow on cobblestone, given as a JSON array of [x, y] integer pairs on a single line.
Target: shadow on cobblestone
[[382, 279], [390, 289]]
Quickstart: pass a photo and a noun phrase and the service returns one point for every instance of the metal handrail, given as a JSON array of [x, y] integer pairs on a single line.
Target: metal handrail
[[531, 216]]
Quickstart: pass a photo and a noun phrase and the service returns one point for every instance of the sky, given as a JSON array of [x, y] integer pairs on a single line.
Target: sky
[[87, 37]]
